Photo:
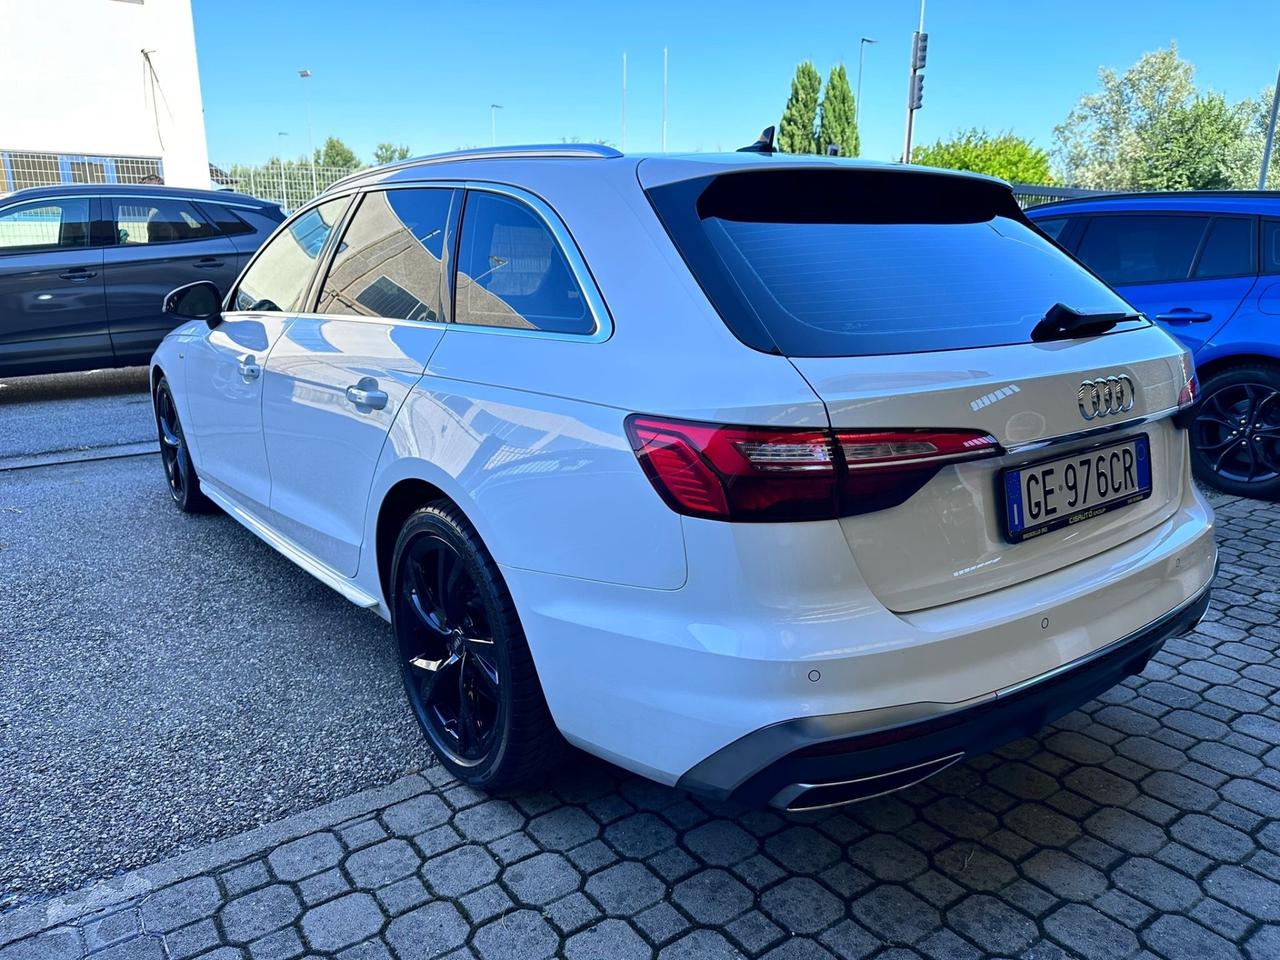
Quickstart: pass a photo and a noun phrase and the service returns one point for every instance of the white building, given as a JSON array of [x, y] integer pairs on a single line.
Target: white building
[[100, 91]]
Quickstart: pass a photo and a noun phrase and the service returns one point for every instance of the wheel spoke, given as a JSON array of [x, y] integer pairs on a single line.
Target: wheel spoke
[[1222, 458], [466, 718], [429, 673], [426, 612], [482, 671]]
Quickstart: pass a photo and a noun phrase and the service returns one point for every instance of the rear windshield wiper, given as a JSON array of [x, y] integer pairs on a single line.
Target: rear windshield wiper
[[1062, 322]]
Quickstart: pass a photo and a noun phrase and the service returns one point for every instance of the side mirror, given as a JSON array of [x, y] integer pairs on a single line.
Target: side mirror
[[196, 301]]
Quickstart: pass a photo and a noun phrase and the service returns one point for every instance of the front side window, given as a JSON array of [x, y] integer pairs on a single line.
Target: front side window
[[390, 262], [45, 225], [277, 280], [1053, 227], [164, 220], [512, 272], [1150, 248]]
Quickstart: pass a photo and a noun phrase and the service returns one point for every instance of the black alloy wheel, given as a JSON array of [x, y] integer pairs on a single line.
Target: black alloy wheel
[[467, 670], [179, 471], [1235, 435]]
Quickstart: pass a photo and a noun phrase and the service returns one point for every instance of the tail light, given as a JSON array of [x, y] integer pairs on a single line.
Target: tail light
[[770, 474], [1188, 397]]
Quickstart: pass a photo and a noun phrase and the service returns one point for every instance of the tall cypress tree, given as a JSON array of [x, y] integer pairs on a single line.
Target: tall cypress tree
[[797, 133], [837, 125]]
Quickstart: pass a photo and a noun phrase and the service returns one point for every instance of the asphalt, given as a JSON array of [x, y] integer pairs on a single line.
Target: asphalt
[[165, 680]]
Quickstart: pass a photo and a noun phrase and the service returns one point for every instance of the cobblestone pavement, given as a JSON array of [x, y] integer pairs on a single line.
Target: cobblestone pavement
[[1145, 825]]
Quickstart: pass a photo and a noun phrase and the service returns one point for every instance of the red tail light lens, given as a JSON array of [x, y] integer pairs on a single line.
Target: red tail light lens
[[1189, 393], [768, 474]]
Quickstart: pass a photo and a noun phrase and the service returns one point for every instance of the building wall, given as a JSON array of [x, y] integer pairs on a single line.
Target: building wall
[[73, 81]]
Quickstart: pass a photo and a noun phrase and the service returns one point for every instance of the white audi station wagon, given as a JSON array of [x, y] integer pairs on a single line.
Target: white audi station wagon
[[792, 480]]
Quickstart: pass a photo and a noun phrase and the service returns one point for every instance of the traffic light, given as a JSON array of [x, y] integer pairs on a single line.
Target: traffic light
[[919, 50], [917, 91]]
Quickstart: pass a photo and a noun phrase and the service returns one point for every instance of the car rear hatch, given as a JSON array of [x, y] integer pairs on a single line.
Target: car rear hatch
[[976, 455]]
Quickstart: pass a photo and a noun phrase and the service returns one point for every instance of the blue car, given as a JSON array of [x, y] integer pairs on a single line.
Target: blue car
[[1206, 267]]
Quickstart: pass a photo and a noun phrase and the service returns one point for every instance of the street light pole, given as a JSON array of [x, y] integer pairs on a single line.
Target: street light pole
[[493, 123], [305, 74], [1271, 136], [857, 100]]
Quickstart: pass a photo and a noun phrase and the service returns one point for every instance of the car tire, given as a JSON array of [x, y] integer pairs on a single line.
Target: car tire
[[180, 472], [1235, 433], [468, 673]]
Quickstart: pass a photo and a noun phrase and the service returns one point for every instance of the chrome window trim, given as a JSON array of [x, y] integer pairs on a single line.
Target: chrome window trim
[[150, 196], [564, 239]]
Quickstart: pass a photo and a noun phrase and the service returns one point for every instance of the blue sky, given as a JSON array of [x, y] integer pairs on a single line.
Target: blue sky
[[424, 73]]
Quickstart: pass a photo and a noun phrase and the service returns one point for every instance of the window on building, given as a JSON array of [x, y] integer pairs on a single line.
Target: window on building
[[391, 259], [512, 272], [45, 225], [278, 278], [159, 221]]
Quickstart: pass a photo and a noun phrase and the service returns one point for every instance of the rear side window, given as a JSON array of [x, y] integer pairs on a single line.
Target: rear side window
[[227, 220], [45, 225], [512, 272], [1151, 248], [1053, 227], [1228, 249], [390, 262], [1271, 246], [278, 278], [159, 221], [822, 263]]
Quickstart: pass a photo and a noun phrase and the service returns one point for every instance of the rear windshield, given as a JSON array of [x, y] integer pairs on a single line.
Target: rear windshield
[[829, 263]]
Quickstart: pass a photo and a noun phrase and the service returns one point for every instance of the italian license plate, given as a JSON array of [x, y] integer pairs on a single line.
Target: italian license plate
[[1044, 496]]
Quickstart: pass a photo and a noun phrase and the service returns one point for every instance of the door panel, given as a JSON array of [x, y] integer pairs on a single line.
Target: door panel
[[224, 404], [52, 301], [161, 244], [336, 381]]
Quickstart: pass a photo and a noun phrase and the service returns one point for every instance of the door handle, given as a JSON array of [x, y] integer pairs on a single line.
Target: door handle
[[250, 369], [1184, 315], [366, 394], [207, 263], [78, 276]]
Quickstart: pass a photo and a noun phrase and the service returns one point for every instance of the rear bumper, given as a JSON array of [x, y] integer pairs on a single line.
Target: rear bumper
[[835, 759]]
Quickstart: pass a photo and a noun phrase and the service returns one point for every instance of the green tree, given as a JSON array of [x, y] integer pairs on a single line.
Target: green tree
[[837, 125], [1001, 155], [797, 133], [389, 153], [1194, 141], [335, 153]]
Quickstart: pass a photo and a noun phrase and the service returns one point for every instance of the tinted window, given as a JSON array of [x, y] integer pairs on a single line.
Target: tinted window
[[277, 279], [45, 225], [1271, 246], [1053, 227], [391, 259], [512, 273], [850, 262], [1228, 249], [227, 220], [159, 221], [1141, 249]]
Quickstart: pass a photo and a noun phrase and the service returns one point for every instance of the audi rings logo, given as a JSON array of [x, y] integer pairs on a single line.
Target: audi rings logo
[[1105, 397]]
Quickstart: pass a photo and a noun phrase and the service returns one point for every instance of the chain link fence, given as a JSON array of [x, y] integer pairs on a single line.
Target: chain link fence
[[289, 184]]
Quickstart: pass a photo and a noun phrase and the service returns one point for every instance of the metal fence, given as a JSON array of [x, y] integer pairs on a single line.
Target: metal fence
[[289, 184], [1030, 194], [20, 169]]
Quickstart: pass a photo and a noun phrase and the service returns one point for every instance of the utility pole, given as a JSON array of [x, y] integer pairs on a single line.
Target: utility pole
[[1271, 136], [493, 123], [915, 82], [311, 137], [857, 99], [664, 99], [624, 101]]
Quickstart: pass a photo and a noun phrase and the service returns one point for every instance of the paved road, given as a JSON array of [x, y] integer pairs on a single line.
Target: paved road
[[167, 680], [72, 413]]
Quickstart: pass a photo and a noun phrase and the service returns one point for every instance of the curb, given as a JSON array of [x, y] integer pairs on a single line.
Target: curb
[[26, 921]]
